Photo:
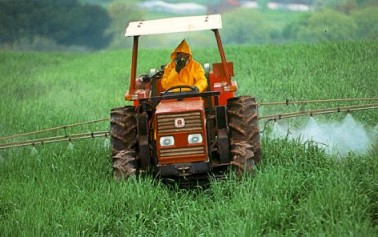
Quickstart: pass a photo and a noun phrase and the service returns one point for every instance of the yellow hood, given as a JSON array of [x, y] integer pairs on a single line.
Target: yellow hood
[[183, 47]]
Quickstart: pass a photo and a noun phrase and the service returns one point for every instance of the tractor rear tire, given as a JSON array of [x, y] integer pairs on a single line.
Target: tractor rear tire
[[123, 140], [244, 133], [123, 129]]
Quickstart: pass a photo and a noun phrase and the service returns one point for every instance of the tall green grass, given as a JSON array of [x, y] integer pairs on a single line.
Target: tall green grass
[[297, 190]]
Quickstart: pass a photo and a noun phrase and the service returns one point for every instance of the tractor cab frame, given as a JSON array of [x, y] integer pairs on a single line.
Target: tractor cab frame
[[222, 72]]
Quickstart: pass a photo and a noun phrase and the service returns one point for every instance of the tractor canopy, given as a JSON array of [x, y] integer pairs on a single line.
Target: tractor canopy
[[174, 25]]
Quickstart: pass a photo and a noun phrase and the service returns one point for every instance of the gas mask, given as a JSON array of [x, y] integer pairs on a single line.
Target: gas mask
[[181, 61]]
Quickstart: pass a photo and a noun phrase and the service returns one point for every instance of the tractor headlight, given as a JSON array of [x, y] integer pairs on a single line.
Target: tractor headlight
[[195, 138], [167, 141]]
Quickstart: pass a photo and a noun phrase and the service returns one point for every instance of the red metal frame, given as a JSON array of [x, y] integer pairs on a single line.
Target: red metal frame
[[227, 75], [134, 62]]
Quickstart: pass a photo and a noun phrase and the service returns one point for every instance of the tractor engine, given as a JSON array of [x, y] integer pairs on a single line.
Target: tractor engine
[[181, 137]]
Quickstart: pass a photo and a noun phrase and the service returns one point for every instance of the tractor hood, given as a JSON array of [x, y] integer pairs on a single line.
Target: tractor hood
[[175, 106]]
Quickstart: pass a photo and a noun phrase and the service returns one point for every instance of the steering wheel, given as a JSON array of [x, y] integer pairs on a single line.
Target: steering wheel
[[180, 87]]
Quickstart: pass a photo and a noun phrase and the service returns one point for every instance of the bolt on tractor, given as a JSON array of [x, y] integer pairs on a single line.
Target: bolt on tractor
[[178, 134]]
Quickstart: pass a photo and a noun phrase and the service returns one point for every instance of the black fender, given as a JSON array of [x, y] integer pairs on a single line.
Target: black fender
[[144, 155], [223, 136]]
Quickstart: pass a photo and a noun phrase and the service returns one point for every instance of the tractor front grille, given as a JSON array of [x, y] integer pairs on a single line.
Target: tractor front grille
[[166, 122], [182, 151]]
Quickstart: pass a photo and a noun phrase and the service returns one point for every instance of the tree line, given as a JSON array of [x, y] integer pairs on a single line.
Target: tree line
[[249, 27], [94, 24], [65, 22]]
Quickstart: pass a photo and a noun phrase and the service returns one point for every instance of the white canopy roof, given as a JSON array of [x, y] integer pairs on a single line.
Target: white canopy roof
[[174, 25]]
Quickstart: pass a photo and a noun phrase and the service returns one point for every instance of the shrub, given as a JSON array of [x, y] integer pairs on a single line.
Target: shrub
[[246, 26], [325, 25], [367, 22]]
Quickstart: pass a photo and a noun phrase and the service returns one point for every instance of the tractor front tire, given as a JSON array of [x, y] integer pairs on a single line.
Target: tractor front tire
[[123, 140], [244, 133], [125, 164]]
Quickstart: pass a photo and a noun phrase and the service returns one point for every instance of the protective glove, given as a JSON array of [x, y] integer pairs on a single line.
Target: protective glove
[[180, 63]]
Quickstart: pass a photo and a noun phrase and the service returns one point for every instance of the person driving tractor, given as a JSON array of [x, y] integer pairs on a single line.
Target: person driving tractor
[[184, 70]]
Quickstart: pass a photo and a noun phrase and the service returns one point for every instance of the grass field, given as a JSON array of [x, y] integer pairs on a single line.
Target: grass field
[[298, 189]]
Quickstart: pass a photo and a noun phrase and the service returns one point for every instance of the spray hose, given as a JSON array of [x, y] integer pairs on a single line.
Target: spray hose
[[48, 140], [348, 109], [289, 102], [320, 111], [53, 129], [54, 139]]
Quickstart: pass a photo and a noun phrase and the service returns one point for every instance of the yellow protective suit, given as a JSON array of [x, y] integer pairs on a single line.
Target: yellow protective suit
[[192, 74]]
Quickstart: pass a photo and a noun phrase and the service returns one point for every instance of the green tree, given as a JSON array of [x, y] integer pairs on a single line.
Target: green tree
[[121, 13], [246, 26], [367, 22], [65, 22], [325, 25], [15, 21], [90, 29], [263, 3]]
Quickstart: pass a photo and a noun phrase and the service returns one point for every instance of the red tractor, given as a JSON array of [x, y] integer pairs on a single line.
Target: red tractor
[[181, 135]]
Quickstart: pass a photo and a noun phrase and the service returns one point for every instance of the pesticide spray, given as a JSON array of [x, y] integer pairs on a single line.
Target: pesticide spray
[[347, 136]]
